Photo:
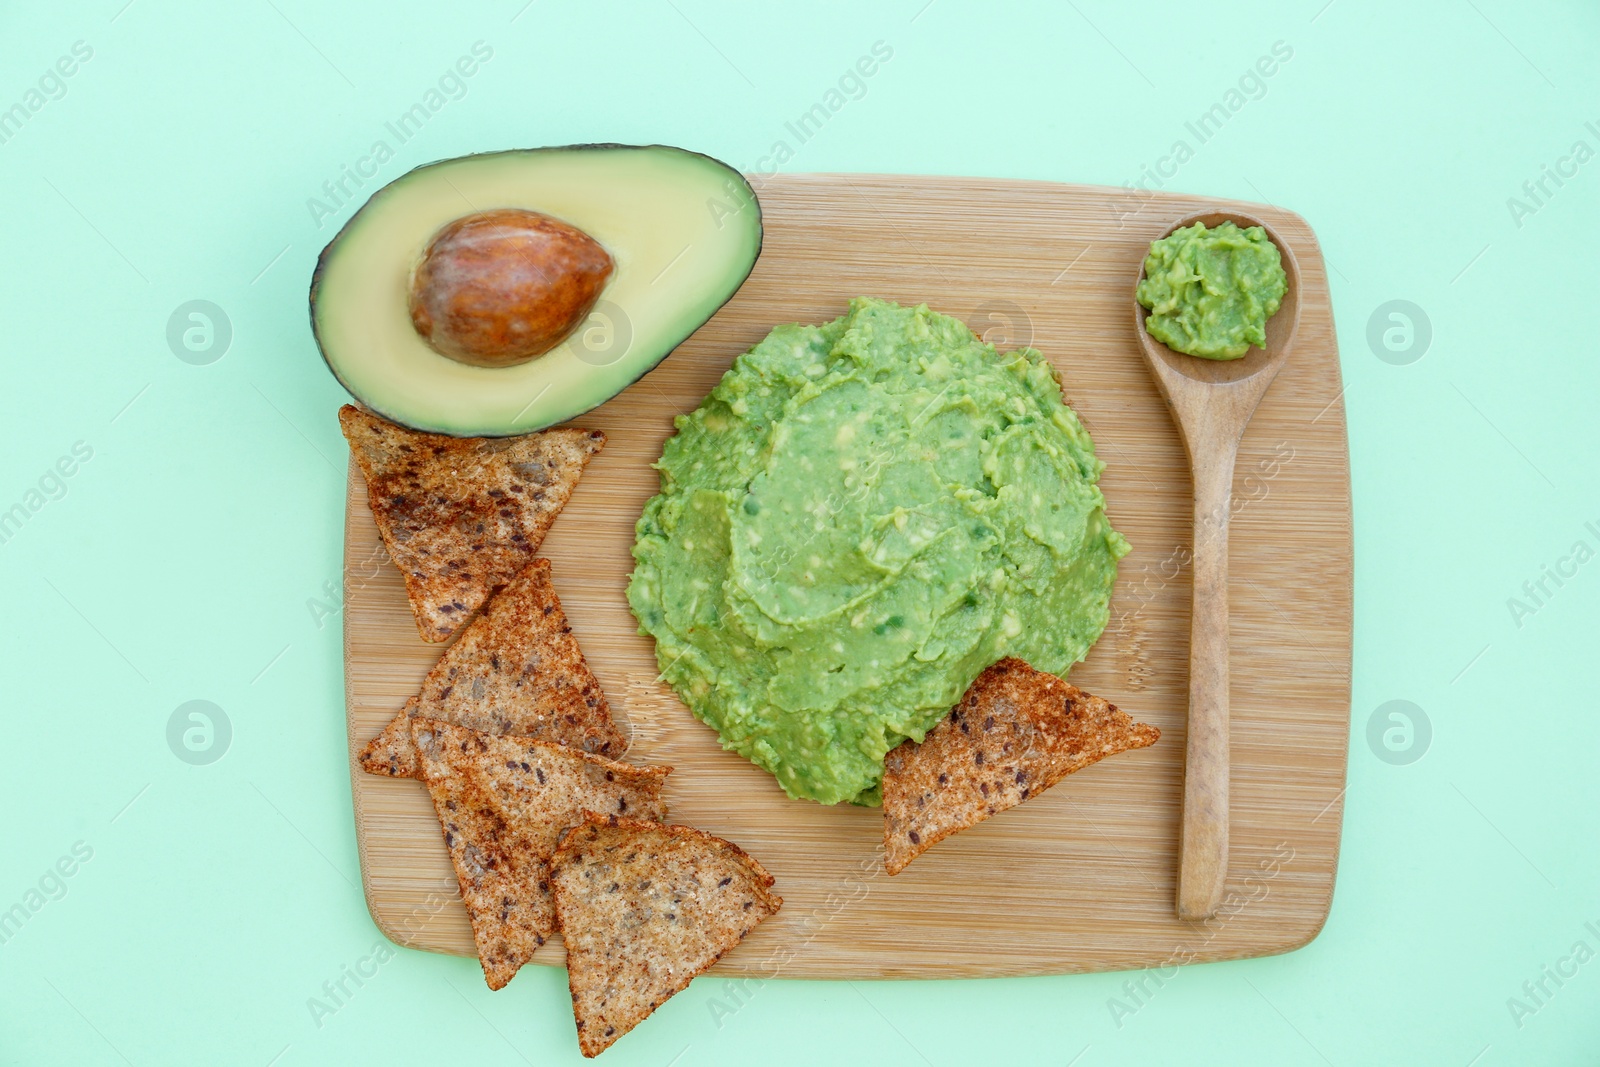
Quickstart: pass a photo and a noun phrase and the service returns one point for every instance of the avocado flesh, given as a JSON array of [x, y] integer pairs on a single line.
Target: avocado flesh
[[683, 229]]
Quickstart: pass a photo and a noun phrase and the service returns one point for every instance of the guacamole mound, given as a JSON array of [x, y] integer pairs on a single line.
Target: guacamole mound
[[1211, 292], [859, 519]]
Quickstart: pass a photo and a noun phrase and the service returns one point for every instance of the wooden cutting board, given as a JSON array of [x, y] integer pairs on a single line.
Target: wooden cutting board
[[1080, 878]]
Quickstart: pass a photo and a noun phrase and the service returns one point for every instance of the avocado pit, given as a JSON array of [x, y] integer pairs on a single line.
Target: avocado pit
[[500, 287]]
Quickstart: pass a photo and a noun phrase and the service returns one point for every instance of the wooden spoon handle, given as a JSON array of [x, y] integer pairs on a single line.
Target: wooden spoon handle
[[1203, 843]]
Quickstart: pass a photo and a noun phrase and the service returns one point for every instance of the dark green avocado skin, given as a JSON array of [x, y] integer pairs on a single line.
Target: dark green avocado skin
[[332, 245]]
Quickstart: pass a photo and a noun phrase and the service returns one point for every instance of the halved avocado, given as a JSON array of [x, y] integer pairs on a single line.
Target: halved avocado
[[682, 229]]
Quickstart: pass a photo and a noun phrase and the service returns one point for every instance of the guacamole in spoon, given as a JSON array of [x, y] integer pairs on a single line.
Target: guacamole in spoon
[[1211, 292], [859, 519]]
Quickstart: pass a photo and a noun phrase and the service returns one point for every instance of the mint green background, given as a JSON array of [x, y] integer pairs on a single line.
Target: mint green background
[[179, 563]]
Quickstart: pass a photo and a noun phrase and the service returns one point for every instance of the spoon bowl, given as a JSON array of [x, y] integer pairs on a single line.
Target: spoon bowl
[[1211, 402], [1281, 327]]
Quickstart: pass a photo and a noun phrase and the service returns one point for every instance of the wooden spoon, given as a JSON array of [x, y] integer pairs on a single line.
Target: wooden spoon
[[1212, 401]]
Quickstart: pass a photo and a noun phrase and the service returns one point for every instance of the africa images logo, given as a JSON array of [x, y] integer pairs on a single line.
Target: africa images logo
[[51, 885], [1538, 591], [51, 485], [51, 85], [450, 86]]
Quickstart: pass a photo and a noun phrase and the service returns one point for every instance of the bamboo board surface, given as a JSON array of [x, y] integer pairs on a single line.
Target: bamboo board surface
[[1080, 878]]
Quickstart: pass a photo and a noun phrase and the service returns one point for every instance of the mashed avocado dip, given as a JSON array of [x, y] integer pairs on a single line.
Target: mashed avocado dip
[[858, 520], [1211, 292]]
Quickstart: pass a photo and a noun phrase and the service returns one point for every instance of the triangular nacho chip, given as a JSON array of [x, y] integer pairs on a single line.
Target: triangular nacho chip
[[516, 669], [498, 872], [461, 516], [1017, 732], [502, 804], [644, 908]]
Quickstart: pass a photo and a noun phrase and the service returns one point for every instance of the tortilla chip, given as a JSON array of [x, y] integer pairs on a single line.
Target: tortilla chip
[[499, 874], [1016, 733], [643, 908], [502, 804], [516, 669], [461, 516]]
